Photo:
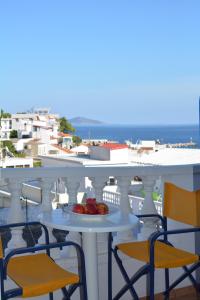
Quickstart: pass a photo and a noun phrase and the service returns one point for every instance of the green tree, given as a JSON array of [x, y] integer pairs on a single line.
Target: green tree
[[12, 149], [13, 134], [4, 114], [65, 125], [76, 140], [37, 164], [10, 146]]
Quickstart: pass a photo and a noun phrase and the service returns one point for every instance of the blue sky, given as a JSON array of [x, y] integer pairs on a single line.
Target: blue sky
[[117, 61]]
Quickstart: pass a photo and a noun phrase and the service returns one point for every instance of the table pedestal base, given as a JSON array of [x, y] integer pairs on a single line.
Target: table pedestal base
[[90, 251]]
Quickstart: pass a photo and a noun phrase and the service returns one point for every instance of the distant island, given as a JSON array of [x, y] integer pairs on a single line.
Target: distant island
[[84, 121]]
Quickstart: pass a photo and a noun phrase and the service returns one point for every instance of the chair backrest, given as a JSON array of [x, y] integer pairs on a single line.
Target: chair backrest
[[1, 248], [181, 205]]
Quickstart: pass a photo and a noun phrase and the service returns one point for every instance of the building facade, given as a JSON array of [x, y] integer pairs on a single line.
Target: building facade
[[40, 124]]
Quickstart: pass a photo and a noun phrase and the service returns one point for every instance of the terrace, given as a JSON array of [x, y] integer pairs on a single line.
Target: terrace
[[186, 176]]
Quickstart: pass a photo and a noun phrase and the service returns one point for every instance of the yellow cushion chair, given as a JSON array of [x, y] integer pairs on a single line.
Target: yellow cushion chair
[[37, 274], [180, 205]]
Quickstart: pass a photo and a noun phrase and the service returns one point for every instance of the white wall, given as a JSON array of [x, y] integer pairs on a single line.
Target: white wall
[[5, 124], [6, 127], [15, 162], [119, 155], [148, 144], [25, 122], [99, 153], [43, 134], [19, 145], [43, 149]]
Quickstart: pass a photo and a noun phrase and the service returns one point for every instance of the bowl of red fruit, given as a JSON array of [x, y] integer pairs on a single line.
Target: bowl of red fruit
[[91, 209]]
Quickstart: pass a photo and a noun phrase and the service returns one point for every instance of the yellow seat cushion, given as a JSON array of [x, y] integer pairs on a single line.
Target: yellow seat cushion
[[1, 248], [165, 255], [38, 274]]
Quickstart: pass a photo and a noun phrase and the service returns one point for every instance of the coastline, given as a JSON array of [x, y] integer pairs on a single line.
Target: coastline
[[166, 134]]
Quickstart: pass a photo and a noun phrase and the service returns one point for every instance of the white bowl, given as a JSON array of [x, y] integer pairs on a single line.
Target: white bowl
[[95, 217]]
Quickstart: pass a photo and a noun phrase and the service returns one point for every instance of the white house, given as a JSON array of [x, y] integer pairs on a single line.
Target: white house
[[110, 152], [35, 125], [39, 124], [65, 140]]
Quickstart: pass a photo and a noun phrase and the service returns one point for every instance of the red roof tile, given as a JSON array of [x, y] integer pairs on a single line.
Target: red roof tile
[[113, 146], [62, 134]]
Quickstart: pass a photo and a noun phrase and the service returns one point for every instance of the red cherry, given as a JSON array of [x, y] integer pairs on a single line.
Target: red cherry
[[102, 208], [91, 209], [91, 201], [78, 209]]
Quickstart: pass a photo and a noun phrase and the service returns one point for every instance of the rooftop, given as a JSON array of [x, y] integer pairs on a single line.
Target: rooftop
[[113, 146], [62, 134], [170, 156]]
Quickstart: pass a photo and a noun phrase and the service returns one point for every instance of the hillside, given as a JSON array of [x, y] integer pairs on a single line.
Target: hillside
[[84, 121]]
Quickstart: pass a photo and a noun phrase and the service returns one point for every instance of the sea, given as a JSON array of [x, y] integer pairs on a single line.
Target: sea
[[120, 133]]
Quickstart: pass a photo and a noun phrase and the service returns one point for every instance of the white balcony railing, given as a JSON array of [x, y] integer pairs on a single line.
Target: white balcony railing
[[187, 176]]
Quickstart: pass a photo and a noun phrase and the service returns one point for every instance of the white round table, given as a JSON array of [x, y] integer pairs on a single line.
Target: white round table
[[89, 226]]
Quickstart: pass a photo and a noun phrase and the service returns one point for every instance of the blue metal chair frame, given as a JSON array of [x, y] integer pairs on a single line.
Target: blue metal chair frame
[[149, 268], [66, 292]]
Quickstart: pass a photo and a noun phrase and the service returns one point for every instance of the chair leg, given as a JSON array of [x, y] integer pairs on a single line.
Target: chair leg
[[182, 277], [66, 294], [2, 280], [85, 290], [125, 276], [50, 296], [192, 279], [166, 279], [82, 288], [110, 266], [141, 272], [150, 283], [166, 297]]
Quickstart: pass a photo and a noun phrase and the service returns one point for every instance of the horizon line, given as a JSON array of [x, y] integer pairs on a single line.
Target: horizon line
[[132, 124]]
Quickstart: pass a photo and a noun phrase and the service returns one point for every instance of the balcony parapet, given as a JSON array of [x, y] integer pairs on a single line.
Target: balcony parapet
[[183, 175], [187, 176]]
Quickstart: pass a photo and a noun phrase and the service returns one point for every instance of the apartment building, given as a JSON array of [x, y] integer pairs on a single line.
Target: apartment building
[[39, 124]]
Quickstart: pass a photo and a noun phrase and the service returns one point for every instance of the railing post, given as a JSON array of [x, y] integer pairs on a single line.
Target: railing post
[[150, 224], [124, 183], [15, 213], [72, 184], [98, 184], [46, 185]]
